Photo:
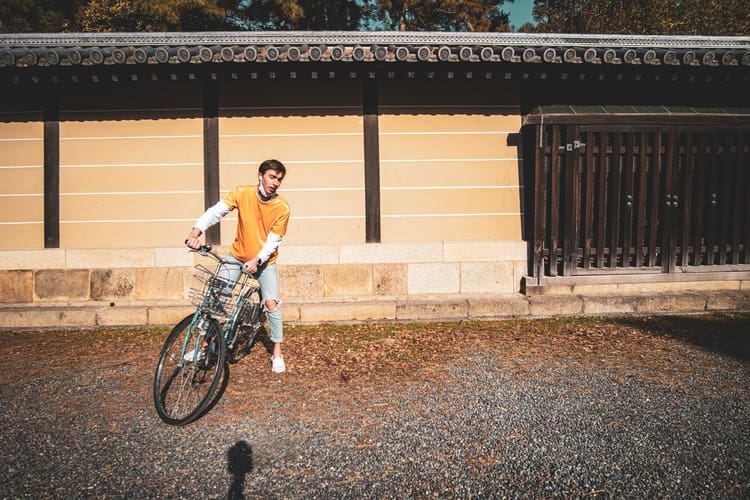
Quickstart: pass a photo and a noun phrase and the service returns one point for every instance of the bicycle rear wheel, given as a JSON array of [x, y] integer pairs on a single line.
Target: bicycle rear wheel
[[249, 321], [189, 369]]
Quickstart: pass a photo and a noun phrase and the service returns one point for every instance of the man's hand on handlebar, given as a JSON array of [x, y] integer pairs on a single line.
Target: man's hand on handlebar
[[193, 240], [194, 243]]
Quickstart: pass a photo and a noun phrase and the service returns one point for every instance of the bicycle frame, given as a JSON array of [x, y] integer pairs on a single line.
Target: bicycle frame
[[219, 296]]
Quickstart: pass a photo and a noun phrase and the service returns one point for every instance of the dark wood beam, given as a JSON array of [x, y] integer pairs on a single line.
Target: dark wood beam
[[372, 161], [52, 172], [211, 154]]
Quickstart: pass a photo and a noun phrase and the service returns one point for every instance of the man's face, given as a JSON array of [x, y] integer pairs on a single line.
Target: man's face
[[271, 180]]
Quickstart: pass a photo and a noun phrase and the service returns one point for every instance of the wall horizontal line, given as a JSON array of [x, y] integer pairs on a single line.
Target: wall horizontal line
[[451, 106], [302, 190], [488, 214], [128, 193], [326, 217], [117, 221], [11, 223], [21, 195], [454, 132], [20, 167], [192, 220], [449, 160], [255, 163], [129, 165], [65, 113], [300, 108], [23, 139], [316, 134], [130, 137], [429, 188]]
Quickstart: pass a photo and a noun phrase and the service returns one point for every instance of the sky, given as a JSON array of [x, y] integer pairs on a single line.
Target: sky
[[520, 12]]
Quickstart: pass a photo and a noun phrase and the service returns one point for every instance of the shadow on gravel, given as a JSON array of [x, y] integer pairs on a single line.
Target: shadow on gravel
[[726, 335], [239, 465]]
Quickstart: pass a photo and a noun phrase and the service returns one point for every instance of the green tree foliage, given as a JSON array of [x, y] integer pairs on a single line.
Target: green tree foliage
[[115, 15], [665, 17], [25, 16], [442, 15], [303, 14]]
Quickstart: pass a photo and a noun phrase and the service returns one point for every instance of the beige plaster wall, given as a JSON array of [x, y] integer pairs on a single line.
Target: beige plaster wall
[[22, 184]]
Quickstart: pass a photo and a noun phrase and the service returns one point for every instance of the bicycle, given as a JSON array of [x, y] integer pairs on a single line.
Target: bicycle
[[222, 330]]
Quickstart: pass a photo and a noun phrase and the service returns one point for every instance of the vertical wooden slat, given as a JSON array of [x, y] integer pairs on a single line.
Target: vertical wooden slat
[[655, 202], [644, 167], [211, 154], [603, 223], [571, 201], [615, 181], [627, 205], [372, 161], [699, 202], [686, 201], [745, 161], [725, 178], [52, 173], [671, 176], [739, 181], [588, 208], [711, 167], [539, 208], [554, 200]]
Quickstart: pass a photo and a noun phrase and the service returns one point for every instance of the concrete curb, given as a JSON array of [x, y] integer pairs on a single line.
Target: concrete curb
[[420, 308]]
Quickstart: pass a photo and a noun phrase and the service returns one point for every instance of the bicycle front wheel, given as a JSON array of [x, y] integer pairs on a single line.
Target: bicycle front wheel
[[189, 369]]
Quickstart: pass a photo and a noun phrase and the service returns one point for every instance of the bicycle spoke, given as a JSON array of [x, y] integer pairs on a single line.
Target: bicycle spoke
[[188, 372]]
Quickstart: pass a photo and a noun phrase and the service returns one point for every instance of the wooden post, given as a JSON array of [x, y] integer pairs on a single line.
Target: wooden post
[[52, 172], [211, 154], [372, 161]]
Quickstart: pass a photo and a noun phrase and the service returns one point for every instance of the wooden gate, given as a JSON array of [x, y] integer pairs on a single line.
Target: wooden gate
[[613, 199]]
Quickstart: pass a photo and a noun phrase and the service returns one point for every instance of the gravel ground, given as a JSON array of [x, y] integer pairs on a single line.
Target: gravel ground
[[481, 424]]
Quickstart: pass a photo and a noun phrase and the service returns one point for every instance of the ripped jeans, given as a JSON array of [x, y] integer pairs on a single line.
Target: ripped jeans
[[268, 279]]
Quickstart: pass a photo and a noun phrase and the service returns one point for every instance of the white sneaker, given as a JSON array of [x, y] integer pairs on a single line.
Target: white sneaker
[[188, 357], [278, 365]]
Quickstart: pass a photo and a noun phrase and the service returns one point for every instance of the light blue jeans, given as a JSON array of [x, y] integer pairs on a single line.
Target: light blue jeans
[[268, 279]]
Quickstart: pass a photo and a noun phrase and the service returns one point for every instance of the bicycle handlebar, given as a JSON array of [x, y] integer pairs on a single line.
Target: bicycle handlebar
[[208, 250]]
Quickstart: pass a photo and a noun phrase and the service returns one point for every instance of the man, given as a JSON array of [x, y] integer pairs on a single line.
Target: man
[[263, 219]]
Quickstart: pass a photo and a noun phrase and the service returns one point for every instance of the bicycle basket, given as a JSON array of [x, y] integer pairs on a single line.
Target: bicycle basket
[[213, 293]]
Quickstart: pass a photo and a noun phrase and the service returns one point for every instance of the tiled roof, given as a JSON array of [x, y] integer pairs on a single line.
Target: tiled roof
[[71, 49]]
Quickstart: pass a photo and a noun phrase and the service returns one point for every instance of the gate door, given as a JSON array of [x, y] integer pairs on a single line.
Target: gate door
[[613, 199]]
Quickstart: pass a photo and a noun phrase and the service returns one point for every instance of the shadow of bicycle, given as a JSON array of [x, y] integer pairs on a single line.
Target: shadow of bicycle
[[239, 465]]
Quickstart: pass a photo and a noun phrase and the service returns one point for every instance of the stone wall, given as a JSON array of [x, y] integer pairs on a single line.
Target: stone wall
[[151, 285]]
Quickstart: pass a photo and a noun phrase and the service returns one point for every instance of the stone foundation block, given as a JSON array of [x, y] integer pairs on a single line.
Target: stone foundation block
[[609, 305], [112, 284], [348, 280], [122, 316], [447, 309], [167, 315], [38, 317], [105, 258], [301, 281], [48, 258], [159, 283], [390, 279], [555, 306], [58, 284], [433, 278], [510, 306], [666, 303], [16, 287], [484, 251], [347, 311], [728, 301], [487, 277]]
